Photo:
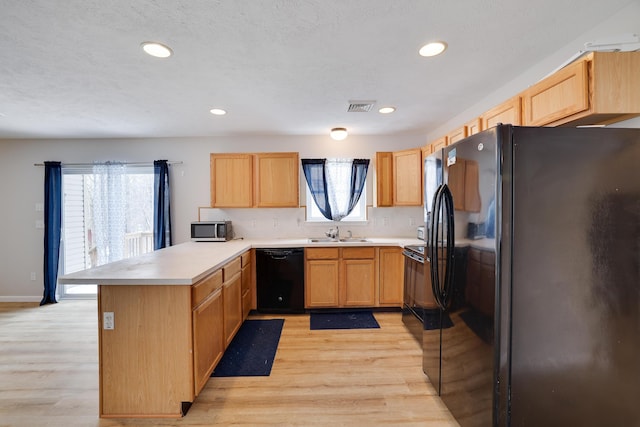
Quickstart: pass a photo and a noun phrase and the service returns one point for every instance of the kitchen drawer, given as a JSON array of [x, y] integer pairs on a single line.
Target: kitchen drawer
[[246, 303], [205, 287], [245, 258], [359, 253], [322, 253], [232, 268]]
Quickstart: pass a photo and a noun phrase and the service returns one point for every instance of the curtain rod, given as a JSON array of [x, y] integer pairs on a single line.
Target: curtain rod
[[106, 163]]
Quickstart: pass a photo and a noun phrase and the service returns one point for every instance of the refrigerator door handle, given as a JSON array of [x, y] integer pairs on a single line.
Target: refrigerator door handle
[[433, 246], [448, 213]]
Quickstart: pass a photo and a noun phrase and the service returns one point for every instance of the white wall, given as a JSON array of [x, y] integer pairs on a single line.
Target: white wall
[[21, 188]]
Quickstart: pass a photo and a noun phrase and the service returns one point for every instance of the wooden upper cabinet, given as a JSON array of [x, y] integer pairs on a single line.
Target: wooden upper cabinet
[[507, 113], [457, 135], [601, 88], [426, 150], [231, 180], [562, 94], [439, 144], [407, 177], [384, 179], [474, 126], [276, 180], [245, 180]]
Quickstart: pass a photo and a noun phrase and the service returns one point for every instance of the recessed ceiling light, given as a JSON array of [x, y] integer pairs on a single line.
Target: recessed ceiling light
[[387, 110], [157, 49], [338, 133], [218, 111], [433, 48]]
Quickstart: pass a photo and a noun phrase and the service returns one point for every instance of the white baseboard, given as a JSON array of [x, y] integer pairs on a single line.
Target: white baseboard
[[20, 299]]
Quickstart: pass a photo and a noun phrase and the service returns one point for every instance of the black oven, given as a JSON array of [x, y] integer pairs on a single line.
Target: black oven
[[418, 297]]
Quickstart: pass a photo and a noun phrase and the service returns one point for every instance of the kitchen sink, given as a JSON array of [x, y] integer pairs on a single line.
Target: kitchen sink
[[322, 240], [345, 240]]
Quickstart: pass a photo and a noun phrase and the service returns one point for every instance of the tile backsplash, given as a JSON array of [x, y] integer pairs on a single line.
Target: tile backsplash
[[290, 222]]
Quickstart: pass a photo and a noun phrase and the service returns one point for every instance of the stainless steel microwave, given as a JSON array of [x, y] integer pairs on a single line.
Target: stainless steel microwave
[[211, 231]]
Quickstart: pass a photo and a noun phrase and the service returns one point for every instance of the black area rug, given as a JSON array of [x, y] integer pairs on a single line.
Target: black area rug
[[252, 350], [343, 320]]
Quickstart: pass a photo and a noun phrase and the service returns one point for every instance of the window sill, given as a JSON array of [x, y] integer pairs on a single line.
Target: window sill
[[338, 223]]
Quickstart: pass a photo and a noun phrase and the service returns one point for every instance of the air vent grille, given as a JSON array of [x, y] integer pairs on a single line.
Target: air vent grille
[[360, 106]]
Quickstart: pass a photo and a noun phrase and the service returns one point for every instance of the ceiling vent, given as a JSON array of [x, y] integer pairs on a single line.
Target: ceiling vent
[[360, 106]]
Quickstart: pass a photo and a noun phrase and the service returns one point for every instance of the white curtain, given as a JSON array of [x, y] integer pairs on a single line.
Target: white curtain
[[338, 179], [109, 211]]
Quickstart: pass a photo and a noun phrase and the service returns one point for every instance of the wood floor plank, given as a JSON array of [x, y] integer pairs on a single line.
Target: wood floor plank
[[367, 377]]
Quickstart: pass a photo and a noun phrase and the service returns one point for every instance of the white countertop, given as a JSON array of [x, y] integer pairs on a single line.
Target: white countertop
[[187, 263]]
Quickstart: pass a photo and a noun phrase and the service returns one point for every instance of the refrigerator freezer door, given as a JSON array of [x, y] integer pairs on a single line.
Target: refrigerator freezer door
[[468, 361], [433, 176]]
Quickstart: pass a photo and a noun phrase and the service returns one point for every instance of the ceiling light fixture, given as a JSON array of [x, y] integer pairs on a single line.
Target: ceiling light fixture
[[157, 49], [433, 48], [339, 133], [218, 111], [387, 110]]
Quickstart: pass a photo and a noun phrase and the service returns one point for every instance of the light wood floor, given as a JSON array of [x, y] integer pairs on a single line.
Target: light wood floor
[[367, 377]]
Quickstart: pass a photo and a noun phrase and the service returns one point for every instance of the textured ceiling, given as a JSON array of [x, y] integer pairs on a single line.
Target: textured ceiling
[[74, 68]]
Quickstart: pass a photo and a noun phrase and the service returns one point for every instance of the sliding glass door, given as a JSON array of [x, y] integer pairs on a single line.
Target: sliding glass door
[[107, 216]]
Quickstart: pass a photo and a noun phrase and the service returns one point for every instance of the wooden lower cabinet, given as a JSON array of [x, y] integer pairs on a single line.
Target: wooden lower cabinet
[[390, 277], [363, 276], [146, 361], [322, 268], [358, 277], [246, 277], [208, 343], [232, 299], [166, 342]]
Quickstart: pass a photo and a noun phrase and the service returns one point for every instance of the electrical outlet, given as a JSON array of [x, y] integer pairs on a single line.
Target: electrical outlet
[[412, 222], [39, 207], [275, 222], [108, 321], [33, 275], [253, 223], [385, 221], [39, 223]]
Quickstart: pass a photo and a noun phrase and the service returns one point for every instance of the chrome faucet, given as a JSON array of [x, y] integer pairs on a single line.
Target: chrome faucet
[[333, 234]]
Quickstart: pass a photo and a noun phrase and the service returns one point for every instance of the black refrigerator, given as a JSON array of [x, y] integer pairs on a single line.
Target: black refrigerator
[[533, 237]]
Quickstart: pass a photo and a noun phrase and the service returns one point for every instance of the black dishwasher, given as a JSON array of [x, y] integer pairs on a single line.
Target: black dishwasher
[[280, 280]]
